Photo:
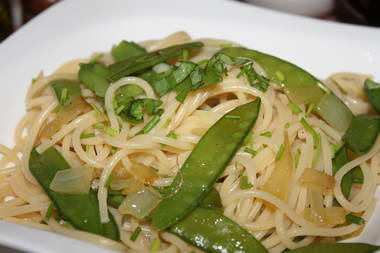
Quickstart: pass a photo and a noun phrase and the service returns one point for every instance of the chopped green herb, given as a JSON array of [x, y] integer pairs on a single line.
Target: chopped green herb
[[113, 150], [250, 151], [49, 212], [119, 109], [110, 131], [86, 136], [267, 134], [135, 234], [99, 113], [244, 184], [155, 245], [310, 129], [287, 125], [297, 157], [98, 127], [173, 135], [294, 108], [248, 138], [310, 109], [255, 80], [355, 219], [280, 152], [232, 117], [150, 125], [280, 76], [316, 138], [167, 122], [108, 181]]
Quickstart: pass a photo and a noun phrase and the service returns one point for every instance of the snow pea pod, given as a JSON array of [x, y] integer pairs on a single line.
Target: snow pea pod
[[80, 210], [215, 233], [205, 164], [302, 87], [337, 248]]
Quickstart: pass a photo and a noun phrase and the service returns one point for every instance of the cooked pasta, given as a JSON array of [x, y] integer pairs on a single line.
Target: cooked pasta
[[280, 185]]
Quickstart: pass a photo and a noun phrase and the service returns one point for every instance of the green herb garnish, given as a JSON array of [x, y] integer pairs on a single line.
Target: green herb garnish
[[355, 219], [135, 234], [267, 134], [86, 136], [244, 184], [280, 152]]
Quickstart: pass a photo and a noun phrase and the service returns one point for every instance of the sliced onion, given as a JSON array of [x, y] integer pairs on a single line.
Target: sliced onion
[[317, 180], [72, 181], [127, 185], [326, 216], [140, 204], [334, 112], [321, 215], [144, 173], [65, 115], [279, 182]]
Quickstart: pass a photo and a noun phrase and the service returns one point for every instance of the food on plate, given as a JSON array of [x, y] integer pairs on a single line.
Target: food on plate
[[181, 145]]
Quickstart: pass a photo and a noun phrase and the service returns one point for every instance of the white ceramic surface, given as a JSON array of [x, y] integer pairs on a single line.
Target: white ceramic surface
[[77, 28], [313, 8]]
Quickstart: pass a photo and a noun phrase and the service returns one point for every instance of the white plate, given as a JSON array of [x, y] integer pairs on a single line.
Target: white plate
[[77, 28]]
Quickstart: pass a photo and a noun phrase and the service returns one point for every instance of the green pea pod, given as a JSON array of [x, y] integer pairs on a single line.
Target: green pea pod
[[337, 248], [80, 210], [212, 200], [302, 87], [205, 164], [215, 233], [372, 90], [362, 133], [138, 63], [340, 159]]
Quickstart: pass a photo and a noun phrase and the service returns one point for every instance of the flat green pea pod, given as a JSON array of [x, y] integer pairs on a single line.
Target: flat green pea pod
[[80, 210], [215, 233], [205, 164], [302, 87], [337, 248]]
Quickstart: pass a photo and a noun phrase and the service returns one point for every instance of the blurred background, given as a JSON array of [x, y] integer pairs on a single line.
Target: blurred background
[[15, 13]]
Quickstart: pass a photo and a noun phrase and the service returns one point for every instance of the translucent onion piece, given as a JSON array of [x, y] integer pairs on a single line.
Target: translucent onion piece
[[319, 215], [140, 204], [334, 112], [145, 173], [279, 182], [326, 216], [127, 185], [65, 115], [161, 67], [317, 180], [72, 181]]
